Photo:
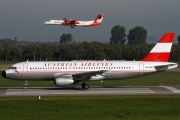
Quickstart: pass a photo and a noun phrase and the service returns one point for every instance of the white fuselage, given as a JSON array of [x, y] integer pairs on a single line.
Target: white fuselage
[[66, 73], [54, 22], [113, 70], [61, 22]]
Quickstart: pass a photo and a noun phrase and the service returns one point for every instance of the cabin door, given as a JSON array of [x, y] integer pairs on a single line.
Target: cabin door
[[141, 67], [25, 68]]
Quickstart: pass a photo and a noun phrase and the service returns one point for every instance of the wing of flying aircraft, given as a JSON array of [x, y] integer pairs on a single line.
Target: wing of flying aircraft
[[65, 73], [72, 23]]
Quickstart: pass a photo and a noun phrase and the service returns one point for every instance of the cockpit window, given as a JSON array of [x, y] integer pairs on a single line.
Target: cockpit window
[[13, 68]]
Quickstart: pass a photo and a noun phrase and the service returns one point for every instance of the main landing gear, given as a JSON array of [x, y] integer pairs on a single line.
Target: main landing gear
[[72, 26], [25, 84], [85, 86]]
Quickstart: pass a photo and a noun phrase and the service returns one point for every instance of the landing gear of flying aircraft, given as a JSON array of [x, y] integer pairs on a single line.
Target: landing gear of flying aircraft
[[25, 84], [72, 26], [85, 86]]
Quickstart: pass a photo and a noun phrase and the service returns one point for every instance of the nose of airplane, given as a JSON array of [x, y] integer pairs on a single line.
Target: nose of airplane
[[46, 23], [3, 74]]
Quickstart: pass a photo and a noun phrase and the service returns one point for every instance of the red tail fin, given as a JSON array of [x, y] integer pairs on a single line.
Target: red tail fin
[[99, 18], [161, 50]]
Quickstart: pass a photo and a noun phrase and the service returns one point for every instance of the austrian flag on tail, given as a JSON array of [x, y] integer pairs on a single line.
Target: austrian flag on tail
[[161, 50]]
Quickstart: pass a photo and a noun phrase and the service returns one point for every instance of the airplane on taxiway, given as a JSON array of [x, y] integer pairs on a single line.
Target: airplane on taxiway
[[72, 23], [65, 73]]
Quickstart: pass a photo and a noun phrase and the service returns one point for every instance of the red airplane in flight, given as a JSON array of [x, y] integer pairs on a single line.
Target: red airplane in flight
[[72, 23]]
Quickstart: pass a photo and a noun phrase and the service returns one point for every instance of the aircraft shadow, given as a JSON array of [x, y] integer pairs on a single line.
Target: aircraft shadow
[[91, 87], [71, 87]]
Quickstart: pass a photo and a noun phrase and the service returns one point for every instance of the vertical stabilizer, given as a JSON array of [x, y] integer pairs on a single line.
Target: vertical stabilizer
[[161, 50], [99, 18]]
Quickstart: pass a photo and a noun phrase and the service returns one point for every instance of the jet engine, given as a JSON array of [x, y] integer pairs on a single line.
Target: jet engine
[[63, 81]]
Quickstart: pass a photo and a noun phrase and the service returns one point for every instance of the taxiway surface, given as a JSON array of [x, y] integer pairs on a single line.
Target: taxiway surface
[[93, 90]]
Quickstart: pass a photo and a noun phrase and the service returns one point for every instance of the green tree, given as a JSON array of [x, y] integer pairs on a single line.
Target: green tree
[[30, 52], [178, 39], [137, 35], [7, 52], [66, 38], [118, 35]]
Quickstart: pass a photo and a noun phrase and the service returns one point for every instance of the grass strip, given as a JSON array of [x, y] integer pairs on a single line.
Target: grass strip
[[128, 107]]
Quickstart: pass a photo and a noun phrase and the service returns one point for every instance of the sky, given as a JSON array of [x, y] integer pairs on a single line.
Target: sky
[[25, 19]]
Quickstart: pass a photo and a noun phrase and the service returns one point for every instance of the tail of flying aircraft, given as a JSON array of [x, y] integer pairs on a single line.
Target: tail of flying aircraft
[[99, 18], [161, 50]]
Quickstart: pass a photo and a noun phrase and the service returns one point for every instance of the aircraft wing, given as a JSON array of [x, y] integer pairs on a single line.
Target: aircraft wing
[[92, 75]]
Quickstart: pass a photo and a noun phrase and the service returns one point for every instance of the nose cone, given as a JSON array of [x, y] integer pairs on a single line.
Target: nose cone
[[3, 74], [47, 22]]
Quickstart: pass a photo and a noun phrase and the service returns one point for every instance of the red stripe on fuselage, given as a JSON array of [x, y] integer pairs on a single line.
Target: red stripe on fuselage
[[78, 72], [158, 57]]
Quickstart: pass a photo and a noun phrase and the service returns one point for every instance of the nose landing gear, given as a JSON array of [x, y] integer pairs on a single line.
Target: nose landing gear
[[25, 84]]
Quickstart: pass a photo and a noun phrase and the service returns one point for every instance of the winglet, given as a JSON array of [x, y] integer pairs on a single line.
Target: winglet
[[161, 50]]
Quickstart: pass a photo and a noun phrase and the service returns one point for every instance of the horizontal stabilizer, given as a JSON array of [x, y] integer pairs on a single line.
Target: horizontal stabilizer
[[161, 68]]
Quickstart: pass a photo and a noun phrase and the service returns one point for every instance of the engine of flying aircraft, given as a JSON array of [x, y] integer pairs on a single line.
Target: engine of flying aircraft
[[69, 21]]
